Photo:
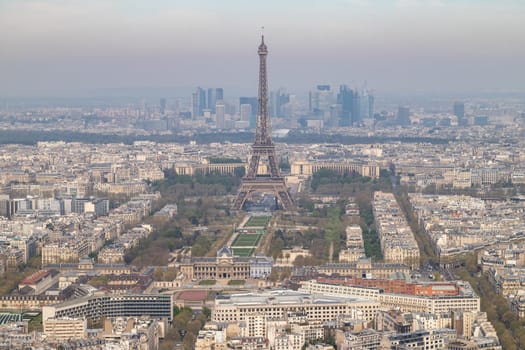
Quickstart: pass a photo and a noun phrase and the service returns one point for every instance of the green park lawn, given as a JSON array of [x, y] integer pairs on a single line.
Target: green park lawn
[[258, 221], [247, 240], [243, 252]]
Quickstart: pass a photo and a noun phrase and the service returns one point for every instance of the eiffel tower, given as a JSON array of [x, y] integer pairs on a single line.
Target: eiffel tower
[[263, 147]]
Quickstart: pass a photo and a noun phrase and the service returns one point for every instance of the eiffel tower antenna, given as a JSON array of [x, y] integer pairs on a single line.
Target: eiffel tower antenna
[[263, 147]]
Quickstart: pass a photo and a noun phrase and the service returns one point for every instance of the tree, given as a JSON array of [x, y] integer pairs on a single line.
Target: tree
[[285, 273], [189, 341], [276, 246], [194, 326], [507, 317], [207, 312], [284, 164], [170, 274], [223, 160], [318, 248], [194, 220], [181, 320], [274, 275], [506, 340], [201, 246], [299, 261], [239, 172], [158, 275]]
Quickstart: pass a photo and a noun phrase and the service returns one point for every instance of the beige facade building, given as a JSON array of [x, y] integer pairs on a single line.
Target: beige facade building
[[66, 252], [413, 303], [224, 266], [65, 328], [364, 267], [517, 305], [466, 301], [309, 168], [355, 248], [211, 338], [507, 281], [111, 255], [398, 244], [192, 168], [315, 287], [279, 303]]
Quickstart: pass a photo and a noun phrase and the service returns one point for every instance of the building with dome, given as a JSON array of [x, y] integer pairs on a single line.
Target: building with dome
[[226, 266]]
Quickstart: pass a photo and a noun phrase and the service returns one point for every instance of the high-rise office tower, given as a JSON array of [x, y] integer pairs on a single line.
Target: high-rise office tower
[[202, 99], [219, 97], [252, 101], [211, 101], [219, 94], [220, 115], [162, 106], [363, 110], [198, 102], [367, 105], [459, 109], [335, 115], [350, 106], [195, 109], [356, 108], [246, 112], [459, 112], [321, 99], [213, 97], [403, 115], [344, 100], [282, 98], [370, 105]]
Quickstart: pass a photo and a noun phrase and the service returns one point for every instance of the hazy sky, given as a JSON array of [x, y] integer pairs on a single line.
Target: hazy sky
[[71, 47]]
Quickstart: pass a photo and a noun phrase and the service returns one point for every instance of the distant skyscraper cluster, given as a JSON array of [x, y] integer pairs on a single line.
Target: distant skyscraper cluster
[[348, 108], [206, 100], [279, 106], [327, 107]]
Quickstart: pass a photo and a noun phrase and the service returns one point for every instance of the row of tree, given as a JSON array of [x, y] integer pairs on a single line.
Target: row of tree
[[510, 330], [426, 249], [223, 160], [370, 236], [31, 137], [200, 184], [185, 327]]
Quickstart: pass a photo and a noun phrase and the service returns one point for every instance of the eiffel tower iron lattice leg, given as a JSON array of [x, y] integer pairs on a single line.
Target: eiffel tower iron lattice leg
[[276, 186]]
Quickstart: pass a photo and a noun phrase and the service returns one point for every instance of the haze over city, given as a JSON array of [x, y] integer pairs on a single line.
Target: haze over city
[[262, 175], [82, 48]]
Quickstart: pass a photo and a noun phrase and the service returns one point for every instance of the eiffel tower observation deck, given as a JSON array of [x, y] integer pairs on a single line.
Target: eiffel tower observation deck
[[263, 148]]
